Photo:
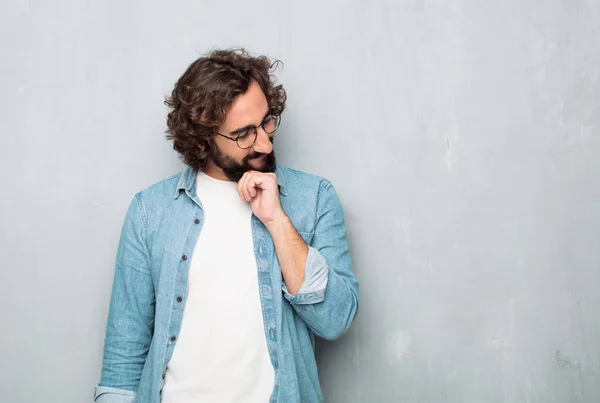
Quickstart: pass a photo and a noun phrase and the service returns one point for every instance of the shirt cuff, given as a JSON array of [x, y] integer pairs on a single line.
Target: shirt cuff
[[105, 394], [316, 272]]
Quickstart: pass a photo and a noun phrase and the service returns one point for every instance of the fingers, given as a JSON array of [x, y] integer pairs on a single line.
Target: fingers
[[241, 188], [246, 186], [251, 181]]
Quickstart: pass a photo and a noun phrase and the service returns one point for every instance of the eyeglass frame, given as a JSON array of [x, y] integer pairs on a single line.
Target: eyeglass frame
[[255, 128]]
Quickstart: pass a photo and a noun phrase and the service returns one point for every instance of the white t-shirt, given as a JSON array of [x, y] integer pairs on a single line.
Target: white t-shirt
[[221, 352]]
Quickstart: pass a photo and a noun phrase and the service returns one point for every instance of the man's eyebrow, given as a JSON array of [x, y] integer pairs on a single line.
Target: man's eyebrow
[[247, 127]]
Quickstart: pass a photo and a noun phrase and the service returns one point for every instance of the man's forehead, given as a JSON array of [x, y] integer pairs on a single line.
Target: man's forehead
[[247, 108]]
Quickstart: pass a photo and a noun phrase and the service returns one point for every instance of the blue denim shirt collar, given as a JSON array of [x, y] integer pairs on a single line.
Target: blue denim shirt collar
[[187, 182]]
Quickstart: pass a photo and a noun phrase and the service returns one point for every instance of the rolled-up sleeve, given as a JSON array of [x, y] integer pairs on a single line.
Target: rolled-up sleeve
[[105, 394], [316, 273]]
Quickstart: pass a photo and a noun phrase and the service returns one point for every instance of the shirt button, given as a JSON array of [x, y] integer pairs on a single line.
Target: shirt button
[[163, 376], [184, 257], [197, 221], [179, 299], [173, 338]]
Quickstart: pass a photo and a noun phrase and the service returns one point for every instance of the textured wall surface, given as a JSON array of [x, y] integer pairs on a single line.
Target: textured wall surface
[[462, 136]]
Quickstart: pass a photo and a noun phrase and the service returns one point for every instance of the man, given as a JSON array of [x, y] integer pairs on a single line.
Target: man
[[226, 271]]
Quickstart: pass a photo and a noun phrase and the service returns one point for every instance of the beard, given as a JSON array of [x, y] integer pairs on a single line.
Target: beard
[[234, 170]]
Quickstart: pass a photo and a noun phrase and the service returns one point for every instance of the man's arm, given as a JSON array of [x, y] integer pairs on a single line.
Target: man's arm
[[131, 314], [292, 252], [318, 279]]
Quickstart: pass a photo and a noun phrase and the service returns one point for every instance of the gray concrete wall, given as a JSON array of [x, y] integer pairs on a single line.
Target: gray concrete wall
[[462, 136]]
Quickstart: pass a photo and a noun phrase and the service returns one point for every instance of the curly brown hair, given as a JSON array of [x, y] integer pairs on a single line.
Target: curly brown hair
[[206, 90]]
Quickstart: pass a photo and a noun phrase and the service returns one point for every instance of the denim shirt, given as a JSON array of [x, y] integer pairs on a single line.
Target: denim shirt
[[149, 289]]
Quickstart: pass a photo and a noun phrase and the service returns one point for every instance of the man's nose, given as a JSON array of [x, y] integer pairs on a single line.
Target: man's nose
[[263, 143]]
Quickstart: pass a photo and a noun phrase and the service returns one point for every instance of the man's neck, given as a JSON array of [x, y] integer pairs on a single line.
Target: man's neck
[[214, 171]]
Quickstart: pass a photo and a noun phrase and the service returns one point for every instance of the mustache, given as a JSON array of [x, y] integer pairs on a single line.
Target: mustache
[[253, 156], [257, 155]]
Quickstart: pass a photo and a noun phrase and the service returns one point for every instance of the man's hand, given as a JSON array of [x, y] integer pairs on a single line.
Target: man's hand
[[261, 190]]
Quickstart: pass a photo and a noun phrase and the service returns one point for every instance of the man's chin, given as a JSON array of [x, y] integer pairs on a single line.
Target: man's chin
[[262, 164], [258, 164]]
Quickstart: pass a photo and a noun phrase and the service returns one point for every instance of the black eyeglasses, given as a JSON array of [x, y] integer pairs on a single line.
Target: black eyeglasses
[[247, 138]]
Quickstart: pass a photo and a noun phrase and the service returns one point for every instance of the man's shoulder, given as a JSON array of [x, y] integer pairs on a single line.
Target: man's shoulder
[[300, 181], [305, 195], [162, 188]]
